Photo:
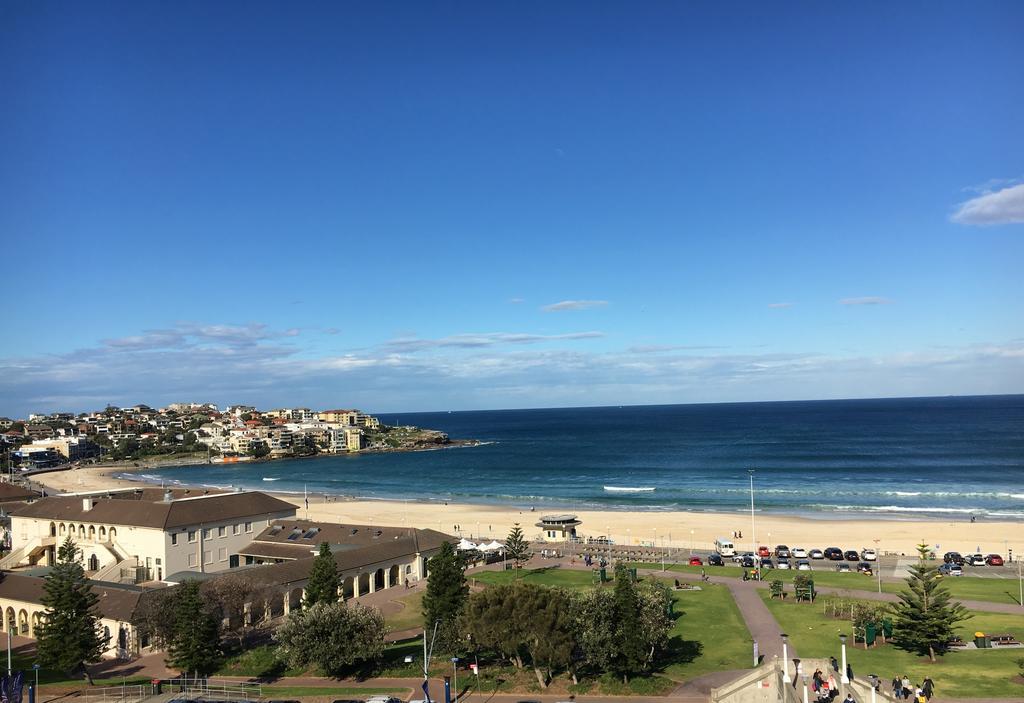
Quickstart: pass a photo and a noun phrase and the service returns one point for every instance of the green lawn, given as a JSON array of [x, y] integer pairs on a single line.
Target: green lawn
[[709, 636], [965, 587], [548, 576], [410, 616], [964, 674]]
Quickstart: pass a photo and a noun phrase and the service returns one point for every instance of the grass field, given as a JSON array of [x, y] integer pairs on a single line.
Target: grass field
[[964, 674], [280, 692], [965, 587], [410, 616], [709, 636], [549, 576]]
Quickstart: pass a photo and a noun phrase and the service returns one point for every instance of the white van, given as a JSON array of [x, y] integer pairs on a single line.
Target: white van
[[724, 546]]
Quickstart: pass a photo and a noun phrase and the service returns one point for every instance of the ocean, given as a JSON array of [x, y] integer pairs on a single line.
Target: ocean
[[891, 458]]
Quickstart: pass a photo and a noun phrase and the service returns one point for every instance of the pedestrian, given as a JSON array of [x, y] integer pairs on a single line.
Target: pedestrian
[[834, 663], [849, 698], [897, 687], [928, 687], [833, 687], [907, 690]]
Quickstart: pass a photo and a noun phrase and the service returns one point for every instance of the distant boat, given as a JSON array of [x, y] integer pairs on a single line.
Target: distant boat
[[269, 479], [629, 489]]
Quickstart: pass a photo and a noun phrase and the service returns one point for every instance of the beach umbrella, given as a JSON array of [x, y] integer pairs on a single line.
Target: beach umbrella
[[465, 544]]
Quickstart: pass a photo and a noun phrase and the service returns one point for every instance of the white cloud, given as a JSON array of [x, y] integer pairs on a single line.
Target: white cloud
[[1000, 207], [574, 305], [866, 300], [487, 370], [485, 339]]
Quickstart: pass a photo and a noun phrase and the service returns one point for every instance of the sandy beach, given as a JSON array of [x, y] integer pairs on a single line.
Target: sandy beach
[[679, 529]]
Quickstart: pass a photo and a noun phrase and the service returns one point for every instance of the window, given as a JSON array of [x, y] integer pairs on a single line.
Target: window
[[191, 535], [207, 533], [158, 562], [174, 539], [248, 527], [222, 554], [235, 529], [222, 531], [191, 559], [207, 557]]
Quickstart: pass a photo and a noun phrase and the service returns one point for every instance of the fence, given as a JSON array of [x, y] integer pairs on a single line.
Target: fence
[[190, 689], [115, 694]]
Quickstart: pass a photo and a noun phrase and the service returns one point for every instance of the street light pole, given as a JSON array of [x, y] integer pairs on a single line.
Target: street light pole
[[844, 678], [455, 679], [753, 532], [878, 564], [785, 658]]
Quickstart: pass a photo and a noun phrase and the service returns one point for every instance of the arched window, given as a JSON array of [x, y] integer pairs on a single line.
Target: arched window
[[23, 621], [81, 532], [63, 529], [53, 529], [10, 624], [113, 534], [92, 533], [103, 533]]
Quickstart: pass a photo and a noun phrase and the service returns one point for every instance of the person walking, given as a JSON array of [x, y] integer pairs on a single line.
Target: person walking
[[906, 687], [849, 698], [897, 687], [928, 688]]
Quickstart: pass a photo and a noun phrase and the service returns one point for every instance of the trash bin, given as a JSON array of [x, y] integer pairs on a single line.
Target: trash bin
[[981, 641], [632, 573], [604, 574], [158, 689]]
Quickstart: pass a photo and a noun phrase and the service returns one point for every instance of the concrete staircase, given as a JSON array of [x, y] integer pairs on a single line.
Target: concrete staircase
[[33, 548]]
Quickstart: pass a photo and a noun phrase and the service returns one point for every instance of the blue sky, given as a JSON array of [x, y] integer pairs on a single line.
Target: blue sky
[[414, 206]]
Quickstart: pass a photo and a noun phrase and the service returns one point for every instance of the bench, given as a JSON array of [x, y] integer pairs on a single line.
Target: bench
[[1003, 640], [777, 590], [956, 642]]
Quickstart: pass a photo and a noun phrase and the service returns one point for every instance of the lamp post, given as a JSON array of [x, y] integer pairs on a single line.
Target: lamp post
[[691, 543], [878, 564], [753, 531], [805, 688], [455, 679], [843, 678], [785, 658]]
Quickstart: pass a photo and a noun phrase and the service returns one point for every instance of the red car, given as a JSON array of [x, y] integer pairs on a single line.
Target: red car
[[764, 552], [994, 560], [695, 561]]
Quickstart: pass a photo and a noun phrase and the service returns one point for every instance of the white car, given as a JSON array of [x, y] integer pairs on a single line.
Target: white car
[[803, 565], [868, 554], [799, 553]]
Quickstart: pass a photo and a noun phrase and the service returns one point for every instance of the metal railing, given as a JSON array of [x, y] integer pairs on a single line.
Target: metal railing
[[191, 689], [116, 694]]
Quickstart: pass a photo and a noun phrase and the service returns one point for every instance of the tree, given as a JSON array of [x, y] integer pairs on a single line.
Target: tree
[[924, 617], [195, 645], [521, 622], [516, 547], [631, 655], [229, 595], [322, 586], [445, 597], [331, 636], [154, 616], [259, 449], [71, 635]]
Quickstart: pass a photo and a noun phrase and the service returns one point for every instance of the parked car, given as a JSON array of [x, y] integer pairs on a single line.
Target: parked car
[[382, 699], [843, 568], [738, 557], [994, 560], [799, 553], [695, 561], [868, 555], [864, 567], [763, 551], [953, 558], [834, 553], [851, 555], [975, 560], [748, 561], [816, 554], [951, 569], [715, 559], [783, 563], [766, 563], [782, 551], [803, 565]]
